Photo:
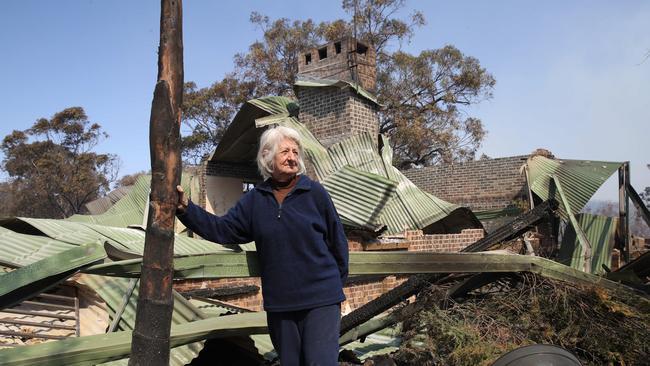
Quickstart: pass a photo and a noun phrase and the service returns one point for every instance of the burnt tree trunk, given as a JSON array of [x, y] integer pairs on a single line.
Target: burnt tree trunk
[[150, 342]]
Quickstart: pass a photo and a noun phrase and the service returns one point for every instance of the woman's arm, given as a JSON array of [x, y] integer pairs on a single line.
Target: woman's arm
[[232, 228]]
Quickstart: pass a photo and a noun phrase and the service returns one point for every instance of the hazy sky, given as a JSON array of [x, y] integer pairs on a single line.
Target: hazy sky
[[572, 76]]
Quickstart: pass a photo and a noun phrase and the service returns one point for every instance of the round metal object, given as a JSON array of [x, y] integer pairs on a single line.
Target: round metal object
[[538, 355]]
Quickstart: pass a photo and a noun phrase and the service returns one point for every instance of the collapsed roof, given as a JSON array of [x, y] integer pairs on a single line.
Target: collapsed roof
[[368, 191]]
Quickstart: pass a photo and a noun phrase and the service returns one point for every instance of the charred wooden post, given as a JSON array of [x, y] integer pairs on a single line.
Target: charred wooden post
[[623, 210], [150, 343]]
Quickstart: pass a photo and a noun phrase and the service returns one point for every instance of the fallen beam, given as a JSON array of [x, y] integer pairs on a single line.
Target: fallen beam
[[638, 203], [514, 228], [227, 265]]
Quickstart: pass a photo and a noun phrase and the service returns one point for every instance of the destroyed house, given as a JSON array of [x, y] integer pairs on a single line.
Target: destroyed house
[[338, 122], [70, 292]]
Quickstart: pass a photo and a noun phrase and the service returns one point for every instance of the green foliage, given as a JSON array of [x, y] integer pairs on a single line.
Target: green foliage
[[424, 94], [52, 169], [597, 326]]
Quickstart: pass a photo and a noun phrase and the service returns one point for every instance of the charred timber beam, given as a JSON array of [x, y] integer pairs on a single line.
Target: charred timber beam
[[514, 228], [221, 291], [150, 343], [638, 203], [623, 211]]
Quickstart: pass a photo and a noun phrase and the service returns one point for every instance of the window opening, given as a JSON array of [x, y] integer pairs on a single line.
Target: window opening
[[322, 53], [361, 48], [337, 47]]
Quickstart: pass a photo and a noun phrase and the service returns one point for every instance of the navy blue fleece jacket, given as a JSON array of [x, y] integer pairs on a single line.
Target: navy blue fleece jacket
[[302, 249]]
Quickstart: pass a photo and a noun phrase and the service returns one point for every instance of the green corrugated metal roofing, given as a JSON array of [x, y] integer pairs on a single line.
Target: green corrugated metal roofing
[[387, 197], [17, 250], [369, 193], [316, 83], [101, 205], [58, 235], [132, 241], [600, 234], [129, 210], [61, 230], [408, 208], [580, 179], [112, 291], [28, 281]]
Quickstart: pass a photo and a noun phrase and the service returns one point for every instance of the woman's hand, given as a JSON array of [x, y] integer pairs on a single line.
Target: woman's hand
[[181, 206]]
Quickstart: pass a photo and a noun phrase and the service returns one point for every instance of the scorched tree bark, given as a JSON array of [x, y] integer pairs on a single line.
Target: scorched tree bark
[[150, 342]]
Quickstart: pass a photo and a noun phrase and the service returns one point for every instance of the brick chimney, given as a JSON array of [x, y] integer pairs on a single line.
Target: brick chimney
[[345, 59], [336, 112]]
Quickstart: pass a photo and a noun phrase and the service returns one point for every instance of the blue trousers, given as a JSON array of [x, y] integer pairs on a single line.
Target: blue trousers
[[306, 337]]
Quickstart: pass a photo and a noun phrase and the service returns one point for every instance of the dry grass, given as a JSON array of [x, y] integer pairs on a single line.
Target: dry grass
[[594, 324]]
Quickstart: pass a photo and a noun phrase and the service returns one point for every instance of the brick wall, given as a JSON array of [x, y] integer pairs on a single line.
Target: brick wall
[[345, 59], [357, 291], [333, 114], [439, 243], [480, 185]]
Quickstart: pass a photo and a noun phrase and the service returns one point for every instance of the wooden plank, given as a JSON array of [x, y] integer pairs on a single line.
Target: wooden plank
[[48, 305], [55, 297], [30, 335], [37, 324], [38, 313], [623, 211]]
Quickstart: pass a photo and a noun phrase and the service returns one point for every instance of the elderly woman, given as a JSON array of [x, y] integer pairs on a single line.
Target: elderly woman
[[302, 249]]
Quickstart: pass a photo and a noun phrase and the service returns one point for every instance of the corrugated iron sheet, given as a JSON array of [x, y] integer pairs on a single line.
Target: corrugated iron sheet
[[58, 235], [17, 250], [384, 196], [61, 230], [580, 179], [29, 281], [408, 207], [127, 211], [102, 205], [600, 232], [112, 291], [369, 192], [132, 241]]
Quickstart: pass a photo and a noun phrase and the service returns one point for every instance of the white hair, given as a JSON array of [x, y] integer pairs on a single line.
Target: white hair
[[269, 142]]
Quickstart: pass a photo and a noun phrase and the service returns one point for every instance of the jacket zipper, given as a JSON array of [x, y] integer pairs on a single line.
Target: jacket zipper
[[280, 204]]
